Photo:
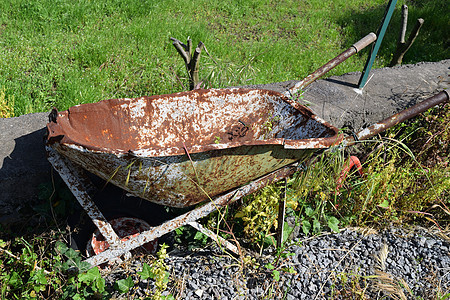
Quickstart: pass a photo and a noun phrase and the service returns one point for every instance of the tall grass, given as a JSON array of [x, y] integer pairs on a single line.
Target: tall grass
[[61, 53], [406, 180]]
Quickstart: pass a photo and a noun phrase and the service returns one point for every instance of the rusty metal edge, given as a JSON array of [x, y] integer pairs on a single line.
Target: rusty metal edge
[[57, 136]]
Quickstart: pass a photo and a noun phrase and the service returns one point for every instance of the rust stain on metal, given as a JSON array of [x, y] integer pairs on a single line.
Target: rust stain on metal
[[74, 180], [181, 149], [232, 137]]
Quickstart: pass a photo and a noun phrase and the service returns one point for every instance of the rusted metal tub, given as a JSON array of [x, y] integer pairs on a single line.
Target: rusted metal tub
[[181, 149]]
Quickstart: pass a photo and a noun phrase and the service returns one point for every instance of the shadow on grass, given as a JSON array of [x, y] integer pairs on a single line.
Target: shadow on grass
[[432, 43]]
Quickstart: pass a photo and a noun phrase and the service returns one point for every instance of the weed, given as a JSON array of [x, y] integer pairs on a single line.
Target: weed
[[6, 105], [123, 286], [349, 285], [270, 123], [26, 275], [260, 215], [159, 273]]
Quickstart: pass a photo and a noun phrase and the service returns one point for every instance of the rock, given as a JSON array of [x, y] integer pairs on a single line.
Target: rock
[[199, 293]]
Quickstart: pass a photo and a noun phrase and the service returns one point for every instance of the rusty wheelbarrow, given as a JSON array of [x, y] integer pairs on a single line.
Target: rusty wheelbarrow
[[211, 146]]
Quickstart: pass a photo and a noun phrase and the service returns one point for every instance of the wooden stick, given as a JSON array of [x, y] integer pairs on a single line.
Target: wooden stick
[[404, 24], [194, 66], [191, 61], [402, 46]]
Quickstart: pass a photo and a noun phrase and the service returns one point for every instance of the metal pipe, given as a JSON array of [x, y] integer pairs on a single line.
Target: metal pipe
[[356, 47], [398, 118]]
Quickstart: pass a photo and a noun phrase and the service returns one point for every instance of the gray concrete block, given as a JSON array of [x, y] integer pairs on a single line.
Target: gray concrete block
[[23, 163]]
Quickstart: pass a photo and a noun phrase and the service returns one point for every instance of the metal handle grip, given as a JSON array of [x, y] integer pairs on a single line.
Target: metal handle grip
[[365, 41], [398, 118]]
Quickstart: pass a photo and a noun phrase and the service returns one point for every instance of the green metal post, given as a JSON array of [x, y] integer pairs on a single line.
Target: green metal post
[[380, 34]]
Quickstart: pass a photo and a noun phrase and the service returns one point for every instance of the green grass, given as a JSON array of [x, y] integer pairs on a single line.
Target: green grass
[[62, 53], [405, 181]]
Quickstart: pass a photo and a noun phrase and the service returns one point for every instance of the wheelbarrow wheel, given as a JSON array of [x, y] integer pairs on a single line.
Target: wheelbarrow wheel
[[125, 228], [114, 203]]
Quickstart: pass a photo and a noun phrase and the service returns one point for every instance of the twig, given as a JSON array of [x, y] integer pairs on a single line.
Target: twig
[[402, 46], [191, 60], [335, 267]]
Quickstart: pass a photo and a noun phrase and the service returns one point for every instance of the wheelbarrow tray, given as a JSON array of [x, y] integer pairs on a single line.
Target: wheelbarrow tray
[[181, 149]]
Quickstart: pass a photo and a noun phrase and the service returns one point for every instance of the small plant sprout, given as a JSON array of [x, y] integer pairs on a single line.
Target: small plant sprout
[[158, 272]]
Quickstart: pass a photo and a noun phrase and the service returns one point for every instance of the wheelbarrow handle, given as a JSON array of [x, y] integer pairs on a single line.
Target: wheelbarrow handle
[[355, 48], [398, 118], [365, 41]]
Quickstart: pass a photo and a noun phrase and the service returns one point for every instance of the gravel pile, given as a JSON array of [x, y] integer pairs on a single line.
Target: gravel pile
[[394, 262]]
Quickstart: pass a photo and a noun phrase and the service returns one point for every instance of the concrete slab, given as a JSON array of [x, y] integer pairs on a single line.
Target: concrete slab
[[388, 91], [23, 165]]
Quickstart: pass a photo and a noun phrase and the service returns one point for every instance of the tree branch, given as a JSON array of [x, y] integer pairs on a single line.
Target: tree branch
[[402, 46], [401, 40], [191, 60]]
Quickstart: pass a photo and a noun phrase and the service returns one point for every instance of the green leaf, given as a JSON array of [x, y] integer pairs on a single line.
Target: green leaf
[[94, 279], [39, 277], [309, 211], [269, 266], [269, 240], [15, 279], [146, 272], [276, 275], [89, 276], [287, 230], [333, 223], [100, 284], [384, 204], [124, 285], [316, 226], [289, 270], [200, 237], [78, 297], [166, 277], [306, 227]]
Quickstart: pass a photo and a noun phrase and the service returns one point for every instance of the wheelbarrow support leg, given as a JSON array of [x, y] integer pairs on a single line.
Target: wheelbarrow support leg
[[74, 179], [218, 239], [193, 215]]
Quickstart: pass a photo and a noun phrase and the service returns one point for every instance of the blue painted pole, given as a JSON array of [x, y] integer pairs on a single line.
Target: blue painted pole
[[380, 34]]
